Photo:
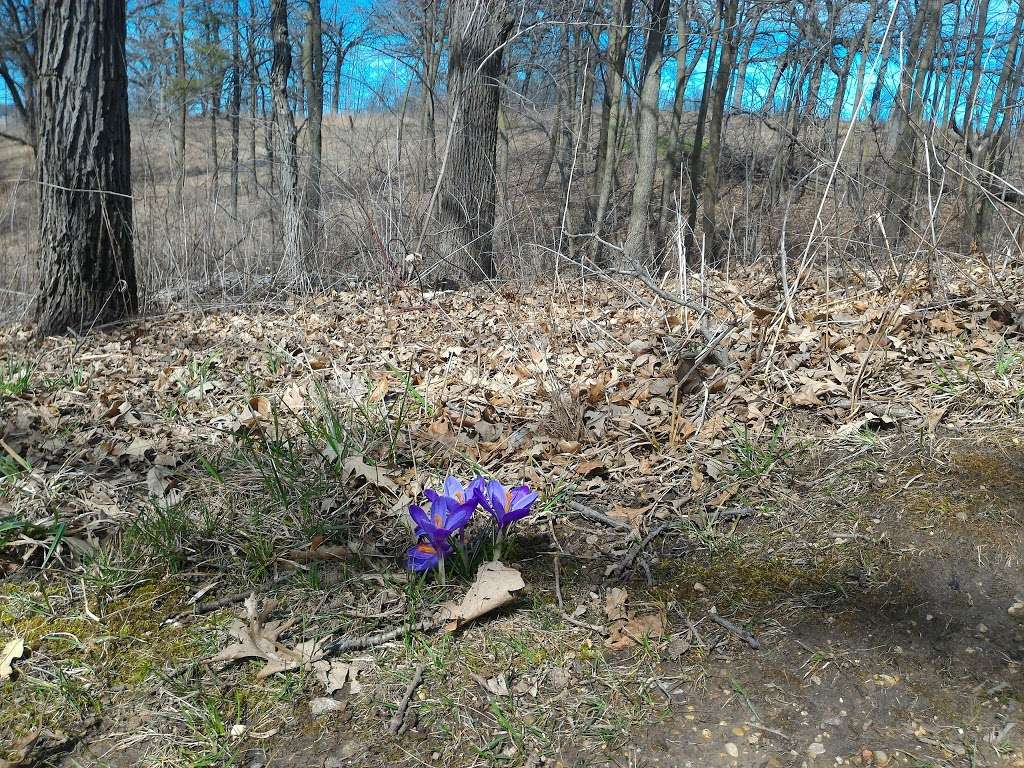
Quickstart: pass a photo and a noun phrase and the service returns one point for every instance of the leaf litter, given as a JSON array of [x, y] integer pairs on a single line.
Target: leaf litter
[[574, 392]]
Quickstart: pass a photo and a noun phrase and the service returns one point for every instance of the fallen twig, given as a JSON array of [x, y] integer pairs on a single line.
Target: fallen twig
[[398, 721], [593, 514], [582, 624], [737, 630], [223, 602], [634, 553], [343, 645]]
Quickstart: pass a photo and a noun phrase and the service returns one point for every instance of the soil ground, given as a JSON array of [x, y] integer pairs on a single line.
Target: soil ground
[[881, 619], [806, 595]]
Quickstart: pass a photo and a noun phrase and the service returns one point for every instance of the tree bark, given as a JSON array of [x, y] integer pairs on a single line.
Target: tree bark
[[87, 265], [722, 77], [286, 142], [236, 102], [672, 166], [466, 203], [607, 155], [638, 239], [314, 125], [183, 86]]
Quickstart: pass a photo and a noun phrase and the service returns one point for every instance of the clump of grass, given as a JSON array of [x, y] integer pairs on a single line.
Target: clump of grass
[[16, 377]]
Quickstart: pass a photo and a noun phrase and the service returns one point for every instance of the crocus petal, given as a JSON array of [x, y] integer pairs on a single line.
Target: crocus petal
[[433, 496], [523, 498], [459, 516], [496, 498], [454, 489], [477, 489], [423, 557], [421, 518]]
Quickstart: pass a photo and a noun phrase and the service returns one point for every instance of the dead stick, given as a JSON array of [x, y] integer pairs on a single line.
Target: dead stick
[[343, 644], [634, 553], [558, 583], [592, 514], [737, 630], [399, 719]]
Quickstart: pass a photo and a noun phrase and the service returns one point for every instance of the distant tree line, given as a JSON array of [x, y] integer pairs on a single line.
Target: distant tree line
[[653, 117]]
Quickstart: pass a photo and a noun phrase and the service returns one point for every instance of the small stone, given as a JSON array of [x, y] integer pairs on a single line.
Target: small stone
[[1016, 610], [815, 750], [732, 750], [698, 587], [982, 628], [323, 705], [881, 758]]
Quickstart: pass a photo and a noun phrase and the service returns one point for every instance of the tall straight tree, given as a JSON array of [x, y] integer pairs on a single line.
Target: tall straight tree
[[479, 30], [286, 140], [236, 102], [638, 240], [314, 66], [723, 74], [83, 159], [182, 87]]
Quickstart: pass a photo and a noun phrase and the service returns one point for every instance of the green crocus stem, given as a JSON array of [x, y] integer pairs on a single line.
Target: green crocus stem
[[499, 543], [441, 572]]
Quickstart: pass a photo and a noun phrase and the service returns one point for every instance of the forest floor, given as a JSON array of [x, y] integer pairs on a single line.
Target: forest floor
[[812, 556]]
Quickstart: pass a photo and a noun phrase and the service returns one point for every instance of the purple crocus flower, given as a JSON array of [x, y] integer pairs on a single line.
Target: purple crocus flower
[[447, 515], [425, 556], [506, 504]]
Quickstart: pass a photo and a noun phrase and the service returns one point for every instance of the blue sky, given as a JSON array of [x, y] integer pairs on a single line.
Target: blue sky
[[372, 78]]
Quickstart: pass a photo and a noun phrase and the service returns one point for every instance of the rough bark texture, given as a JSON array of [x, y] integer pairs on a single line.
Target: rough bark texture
[[672, 165], [638, 240], [314, 124], [182, 86], [236, 102], [722, 76], [285, 138], [608, 146], [466, 202], [87, 265]]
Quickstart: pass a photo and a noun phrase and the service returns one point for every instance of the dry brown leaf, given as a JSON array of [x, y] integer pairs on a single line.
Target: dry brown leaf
[[615, 604], [591, 468], [631, 515], [624, 634], [12, 650], [496, 585], [355, 465]]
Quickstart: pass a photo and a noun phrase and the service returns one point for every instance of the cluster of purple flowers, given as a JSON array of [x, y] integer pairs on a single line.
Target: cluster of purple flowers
[[453, 508]]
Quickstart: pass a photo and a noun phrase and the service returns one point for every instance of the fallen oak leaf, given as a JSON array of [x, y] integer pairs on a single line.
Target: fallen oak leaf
[[14, 649], [496, 585], [625, 634], [371, 474]]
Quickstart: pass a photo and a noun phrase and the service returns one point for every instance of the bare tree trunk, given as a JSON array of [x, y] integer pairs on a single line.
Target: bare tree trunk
[[673, 156], [696, 160], [183, 87], [87, 265], [315, 117], [216, 82], [339, 62], [638, 240], [907, 115], [722, 77], [477, 39], [285, 140], [236, 103], [431, 63], [254, 96], [618, 44]]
